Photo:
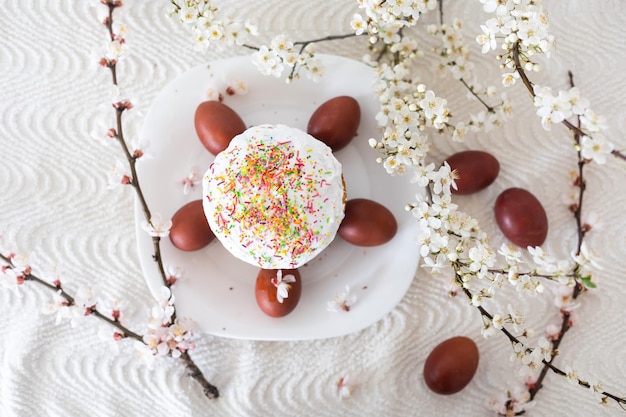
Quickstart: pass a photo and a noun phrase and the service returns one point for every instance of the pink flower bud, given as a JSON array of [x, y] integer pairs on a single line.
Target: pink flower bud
[[117, 336], [125, 180]]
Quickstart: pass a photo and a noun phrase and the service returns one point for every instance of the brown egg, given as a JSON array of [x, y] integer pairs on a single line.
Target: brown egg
[[190, 230], [266, 292], [451, 365], [216, 125], [476, 170], [367, 223], [335, 122], [521, 217]]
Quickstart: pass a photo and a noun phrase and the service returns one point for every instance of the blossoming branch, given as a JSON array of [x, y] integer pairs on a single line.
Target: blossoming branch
[[167, 334]]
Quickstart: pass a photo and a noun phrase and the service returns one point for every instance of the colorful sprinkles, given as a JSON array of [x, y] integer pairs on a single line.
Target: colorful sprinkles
[[274, 197]]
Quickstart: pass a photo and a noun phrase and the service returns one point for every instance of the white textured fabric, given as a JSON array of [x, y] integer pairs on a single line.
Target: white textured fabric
[[54, 202]]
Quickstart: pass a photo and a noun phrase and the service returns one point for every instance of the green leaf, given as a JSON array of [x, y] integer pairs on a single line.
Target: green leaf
[[587, 282]]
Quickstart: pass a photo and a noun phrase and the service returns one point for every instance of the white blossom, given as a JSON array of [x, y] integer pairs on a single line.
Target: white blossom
[[157, 226], [193, 179], [118, 175], [282, 284], [345, 387], [342, 301], [596, 149]]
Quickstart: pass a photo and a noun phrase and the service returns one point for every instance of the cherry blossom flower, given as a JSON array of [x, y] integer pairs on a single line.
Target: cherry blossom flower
[[515, 317], [171, 339], [509, 78], [597, 388], [585, 259], [571, 374], [180, 335], [85, 297], [342, 301], [59, 307], [313, 68], [282, 284], [512, 256], [17, 273], [512, 402], [593, 122], [162, 312], [596, 149], [267, 62], [481, 258], [444, 179], [102, 130], [157, 227], [236, 86], [119, 100], [490, 6], [564, 298], [497, 321], [487, 39], [345, 387], [436, 265], [531, 362], [358, 24], [192, 179], [431, 241], [173, 274], [553, 331], [118, 175], [434, 109]]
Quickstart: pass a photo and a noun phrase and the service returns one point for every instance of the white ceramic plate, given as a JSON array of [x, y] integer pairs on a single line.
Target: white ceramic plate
[[217, 290]]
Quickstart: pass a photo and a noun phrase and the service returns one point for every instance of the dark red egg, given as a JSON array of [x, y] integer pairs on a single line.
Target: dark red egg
[[335, 122], [451, 365], [476, 170], [216, 125], [266, 291], [367, 223], [190, 229], [521, 217]]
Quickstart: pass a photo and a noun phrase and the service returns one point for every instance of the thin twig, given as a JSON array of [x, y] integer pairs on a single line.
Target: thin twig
[[58, 288]]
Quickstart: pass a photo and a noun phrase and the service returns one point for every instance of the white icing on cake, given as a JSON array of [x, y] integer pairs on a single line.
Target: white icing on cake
[[274, 197]]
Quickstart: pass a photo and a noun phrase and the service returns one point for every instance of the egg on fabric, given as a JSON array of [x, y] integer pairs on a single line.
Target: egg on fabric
[[277, 292], [476, 170], [190, 229], [521, 217], [216, 125], [335, 122], [367, 223], [451, 365]]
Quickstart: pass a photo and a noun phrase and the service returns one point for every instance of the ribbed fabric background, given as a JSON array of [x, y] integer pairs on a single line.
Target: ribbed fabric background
[[55, 204]]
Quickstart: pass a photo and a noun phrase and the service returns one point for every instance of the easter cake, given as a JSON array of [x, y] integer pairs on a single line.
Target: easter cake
[[275, 197]]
